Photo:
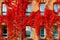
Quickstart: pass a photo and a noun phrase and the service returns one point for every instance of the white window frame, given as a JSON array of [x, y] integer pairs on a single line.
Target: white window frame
[[55, 5], [6, 29], [4, 9], [28, 10], [42, 10], [29, 29], [44, 34]]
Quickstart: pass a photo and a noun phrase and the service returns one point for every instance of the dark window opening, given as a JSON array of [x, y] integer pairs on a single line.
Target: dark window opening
[[42, 32], [4, 31], [55, 32]]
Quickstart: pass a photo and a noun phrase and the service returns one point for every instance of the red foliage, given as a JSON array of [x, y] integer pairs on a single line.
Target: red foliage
[[16, 15]]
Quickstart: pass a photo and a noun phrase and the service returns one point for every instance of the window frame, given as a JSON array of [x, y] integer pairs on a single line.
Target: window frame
[[55, 30], [3, 13], [4, 35], [28, 13], [57, 6], [40, 10], [44, 33], [29, 31]]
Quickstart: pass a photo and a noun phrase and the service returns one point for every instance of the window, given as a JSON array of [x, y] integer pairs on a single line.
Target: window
[[42, 32], [55, 32], [4, 9], [28, 10], [4, 31], [42, 6], [56, 7], [28, 30]]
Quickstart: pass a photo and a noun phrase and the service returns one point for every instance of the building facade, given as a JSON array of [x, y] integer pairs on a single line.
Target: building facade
[[19, 22]]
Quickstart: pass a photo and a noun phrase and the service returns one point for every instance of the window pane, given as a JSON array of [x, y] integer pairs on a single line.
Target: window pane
[[28, 8], [4, 9], [42, 32], [28, 29], [56, 7], [4, 31], [42, 6], [55, 32]]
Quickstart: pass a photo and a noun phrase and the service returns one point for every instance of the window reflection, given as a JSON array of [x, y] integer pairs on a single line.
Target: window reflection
[[28, 30], [56, 7], [42, 7], [42, 32], [4, 9], [28, 10]]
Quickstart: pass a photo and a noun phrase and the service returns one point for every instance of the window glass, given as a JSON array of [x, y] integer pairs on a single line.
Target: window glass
[[4, 9], [42, 32], [4, 31], [28, 10], [42, 7], [55, 32], [56, 7], [28, 29]]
